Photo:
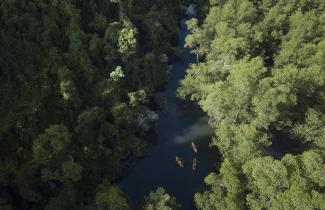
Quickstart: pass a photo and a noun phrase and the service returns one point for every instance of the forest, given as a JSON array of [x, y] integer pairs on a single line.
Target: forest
[[78, 81], [260, 77], [80, 88]]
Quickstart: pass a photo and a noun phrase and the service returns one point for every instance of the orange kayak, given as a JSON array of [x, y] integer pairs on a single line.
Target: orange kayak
[[194, 163]]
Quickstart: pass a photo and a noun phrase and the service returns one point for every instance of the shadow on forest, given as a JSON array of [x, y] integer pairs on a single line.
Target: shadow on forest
[[284, 142]]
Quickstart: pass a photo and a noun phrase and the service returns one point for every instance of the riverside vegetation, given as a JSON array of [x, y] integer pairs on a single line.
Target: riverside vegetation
[[261, 80], [78, 94], [79, 84]]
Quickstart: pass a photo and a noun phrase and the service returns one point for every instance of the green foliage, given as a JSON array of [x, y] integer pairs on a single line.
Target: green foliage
[[240, 143], [67, 86], [71, 171], [225, 190], [117, 74], [127, 41], [160, 200], [111, 197], [52, 144], [261, 76], [286, 184], [299, 44], [76, 83], [231, 99], [138, 97], [122, 114], [313, 129]]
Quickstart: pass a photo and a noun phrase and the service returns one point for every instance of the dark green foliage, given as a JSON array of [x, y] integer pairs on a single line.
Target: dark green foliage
[[76, 81], [262, 74], [110, 197]]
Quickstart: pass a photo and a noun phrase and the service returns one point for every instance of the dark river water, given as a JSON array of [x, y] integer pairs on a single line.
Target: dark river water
[[175, 131]]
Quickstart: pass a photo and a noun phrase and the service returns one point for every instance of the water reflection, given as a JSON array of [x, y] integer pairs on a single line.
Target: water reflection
[[196, 131]]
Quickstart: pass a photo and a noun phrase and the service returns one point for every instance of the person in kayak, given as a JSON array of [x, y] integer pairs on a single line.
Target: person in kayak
[[194, 163], [179, 161], [194, 147]]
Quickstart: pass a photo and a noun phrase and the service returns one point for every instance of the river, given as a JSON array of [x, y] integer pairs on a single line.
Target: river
[[175, 130]]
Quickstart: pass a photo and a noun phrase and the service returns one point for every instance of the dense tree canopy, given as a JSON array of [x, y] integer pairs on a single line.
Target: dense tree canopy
[[78, 89], [160, 200], [76, 83], [261, 79]]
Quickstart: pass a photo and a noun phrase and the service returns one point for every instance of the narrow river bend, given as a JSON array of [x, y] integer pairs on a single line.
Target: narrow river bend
[[175, 131]]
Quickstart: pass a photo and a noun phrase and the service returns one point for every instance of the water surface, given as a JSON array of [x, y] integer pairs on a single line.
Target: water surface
[[175, 131]]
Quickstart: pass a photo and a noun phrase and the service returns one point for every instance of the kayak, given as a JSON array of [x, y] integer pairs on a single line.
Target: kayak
[[179, 161], [194, 147], [194, 163]]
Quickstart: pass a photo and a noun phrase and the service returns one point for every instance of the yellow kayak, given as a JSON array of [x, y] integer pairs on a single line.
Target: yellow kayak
[[179, 161]]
